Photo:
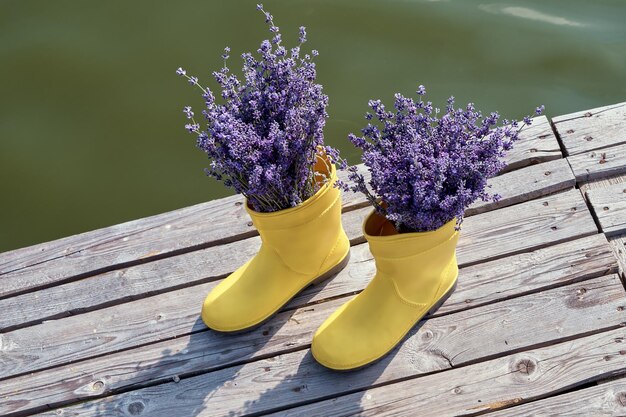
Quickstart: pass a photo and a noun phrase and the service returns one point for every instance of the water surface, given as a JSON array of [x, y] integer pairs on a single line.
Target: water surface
[[90, 111]]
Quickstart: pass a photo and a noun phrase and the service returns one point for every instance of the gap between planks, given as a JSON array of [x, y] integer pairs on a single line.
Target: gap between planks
[[206, 351], [607, 400], [492, 235], [592, 129], [492, 385], [462, 339], [617, 236]]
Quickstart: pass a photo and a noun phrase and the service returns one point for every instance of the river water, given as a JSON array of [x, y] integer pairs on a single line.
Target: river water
[[91, 128]]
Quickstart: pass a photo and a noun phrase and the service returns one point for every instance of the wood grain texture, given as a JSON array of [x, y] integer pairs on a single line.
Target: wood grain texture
[[204, 265], [516, 229], [205, 351], [136, 239], [124, 244], [592, 129], [601, 183], [618, 243], [609, 206], [526, 184], [605, 400], [126, 284], [537, 143], [493, 385], [598, 164], [440, 343]]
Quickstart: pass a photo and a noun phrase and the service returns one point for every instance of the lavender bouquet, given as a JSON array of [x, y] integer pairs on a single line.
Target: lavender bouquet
[[425, 168], [263, 139]]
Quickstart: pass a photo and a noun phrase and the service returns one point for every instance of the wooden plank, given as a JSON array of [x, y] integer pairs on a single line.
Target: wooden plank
[[138, 239], [601, 183], [587, 130], [599, 164], [125, 284], [609, 205], [492, 385], [214, 262], [618, 243], [604, 400], [534, 224], [205, 351], [452, 340], [537, 144], [526, 184]]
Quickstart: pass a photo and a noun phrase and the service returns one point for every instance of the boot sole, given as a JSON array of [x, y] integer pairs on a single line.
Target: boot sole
[[325, 276], [432, 311]]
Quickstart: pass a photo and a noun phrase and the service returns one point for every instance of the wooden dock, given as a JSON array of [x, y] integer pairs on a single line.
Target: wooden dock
[[106, 323]]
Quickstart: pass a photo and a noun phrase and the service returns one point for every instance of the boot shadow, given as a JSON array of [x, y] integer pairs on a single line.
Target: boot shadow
[[202, 352], [313, 382]]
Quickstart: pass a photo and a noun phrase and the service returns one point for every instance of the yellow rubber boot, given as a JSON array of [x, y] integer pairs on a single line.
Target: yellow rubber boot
[[301, 246], [416, 272]]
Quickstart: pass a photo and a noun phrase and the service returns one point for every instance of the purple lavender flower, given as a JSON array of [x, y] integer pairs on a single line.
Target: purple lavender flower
[[426, 170], [263, 138], [302, 37], [192, 127], [226, 53]]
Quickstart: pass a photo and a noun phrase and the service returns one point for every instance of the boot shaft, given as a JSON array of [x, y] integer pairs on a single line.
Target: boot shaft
[[419, 264], [305, 236]]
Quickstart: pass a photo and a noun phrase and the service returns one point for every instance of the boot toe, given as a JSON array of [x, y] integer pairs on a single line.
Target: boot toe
[[250, 295], [229, 308], [217, 315], [353, 336], [341, 344]]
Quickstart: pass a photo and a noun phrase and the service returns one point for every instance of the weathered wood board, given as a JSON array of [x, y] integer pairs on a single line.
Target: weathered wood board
[[491, 281], [617, 239], [608, 400], [537, 143], [440, 343], [479, 285], [536, 223], [600, 163], [496, 384], [167, 315], [526, 184], [602, 183], [106, 323], [609, 205], [618, 243], [592, 129]]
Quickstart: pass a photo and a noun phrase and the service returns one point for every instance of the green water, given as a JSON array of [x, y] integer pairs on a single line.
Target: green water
[[90, 112]]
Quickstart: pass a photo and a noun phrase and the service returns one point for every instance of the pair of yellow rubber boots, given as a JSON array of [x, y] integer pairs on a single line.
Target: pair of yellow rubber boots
[[305, 245]]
